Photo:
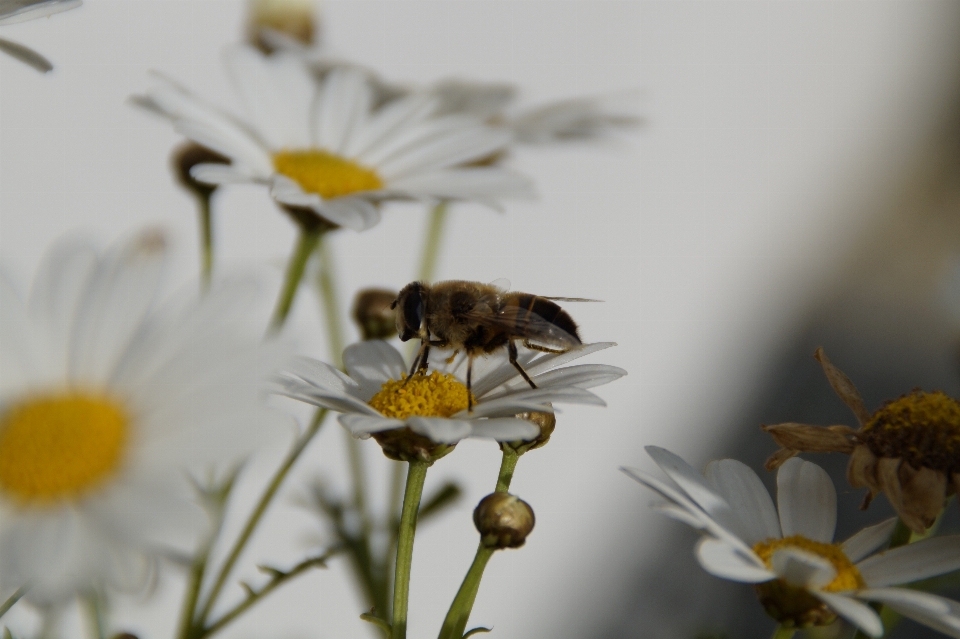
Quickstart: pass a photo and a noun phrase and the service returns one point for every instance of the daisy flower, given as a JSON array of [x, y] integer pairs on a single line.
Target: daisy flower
[[579, 118], [13, 11], [104, 404], [908, 449], [425, 417], [319, 144], [801, 576]]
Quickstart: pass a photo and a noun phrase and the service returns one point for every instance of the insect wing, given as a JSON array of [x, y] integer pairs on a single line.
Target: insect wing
[[520, 322]]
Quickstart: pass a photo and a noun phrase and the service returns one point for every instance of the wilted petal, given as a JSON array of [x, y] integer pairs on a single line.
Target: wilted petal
[[843, 387]]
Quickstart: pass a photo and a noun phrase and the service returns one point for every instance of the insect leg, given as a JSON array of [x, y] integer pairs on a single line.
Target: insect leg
[[512, 354], [469, 385], [419, 362], [543, 349]]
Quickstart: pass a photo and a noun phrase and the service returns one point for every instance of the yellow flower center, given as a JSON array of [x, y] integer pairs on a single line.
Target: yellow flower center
[[324, 173], [921, 428], [434, 395], [60, 445], [848, 577]]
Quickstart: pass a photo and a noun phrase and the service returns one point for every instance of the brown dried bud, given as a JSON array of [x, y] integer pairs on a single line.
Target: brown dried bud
[[373, 315], [504, 520], [292, 18], [188, 155], [402, 444]]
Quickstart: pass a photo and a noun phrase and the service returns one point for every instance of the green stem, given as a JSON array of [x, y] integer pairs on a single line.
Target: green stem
[[206, 237], [306, 243], [12, 599], [258, 512], [783, 632], [459, 613], [456, 620], [279, 578], [192, 594], [507, 465], [431, 246], [326, 284], [416, 474], [95, 610], [901, 535]]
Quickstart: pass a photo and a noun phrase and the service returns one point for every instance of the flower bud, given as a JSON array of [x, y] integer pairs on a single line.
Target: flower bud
[[545, 421], [185, 157], [373, 315], [402, 444], [503, 520], [291, 18]]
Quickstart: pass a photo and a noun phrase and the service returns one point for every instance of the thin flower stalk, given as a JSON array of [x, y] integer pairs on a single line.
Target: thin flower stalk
[[458, 615], [416, 474]]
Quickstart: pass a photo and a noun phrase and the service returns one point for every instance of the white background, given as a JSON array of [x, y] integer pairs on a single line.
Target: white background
[[774, 131]]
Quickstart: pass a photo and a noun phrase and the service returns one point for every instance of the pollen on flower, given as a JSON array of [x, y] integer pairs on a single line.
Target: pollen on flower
[[434, 395], [58, 446], [921, 428], [325, 174], [848, 577]]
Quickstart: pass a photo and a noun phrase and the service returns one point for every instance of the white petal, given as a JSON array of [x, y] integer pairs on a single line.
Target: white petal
[[20, 345], [504, 429], [807, 501], [278, 117], [939, 613], [853, 611], [285, 190], [371, 364], [869, 539], [532, 400], [534, 363], [114, 307], [333, 400], [13, 12], [721, 559], [355, 213], [57, 290], [363, 425], [467, 143], [802, 568], [409, 137], [674, 495], [387, 122], [696, 487], [220, 174], [906, 564], [440, 429], [581, 376], [342, 106], [751, 503]]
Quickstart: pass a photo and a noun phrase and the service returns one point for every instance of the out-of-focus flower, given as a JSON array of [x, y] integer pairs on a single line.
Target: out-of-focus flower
[[802, 577], [424, 417], [105, 404], [579, 118], [13, 11], [908, 449], [294, 19], [320, 145]]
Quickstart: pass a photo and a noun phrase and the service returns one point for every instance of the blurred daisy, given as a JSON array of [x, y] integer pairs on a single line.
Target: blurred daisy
[[320, 145], [802, 577], [13, 11], [580, 118], [104, 405], [908, 449], [423, 418]]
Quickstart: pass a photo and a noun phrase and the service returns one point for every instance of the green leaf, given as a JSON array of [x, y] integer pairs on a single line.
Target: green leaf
[[476, 631], [446, 495], [378, 622]]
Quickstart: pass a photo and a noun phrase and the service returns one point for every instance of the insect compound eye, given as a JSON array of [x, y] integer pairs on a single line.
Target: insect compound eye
[[411, 312]]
